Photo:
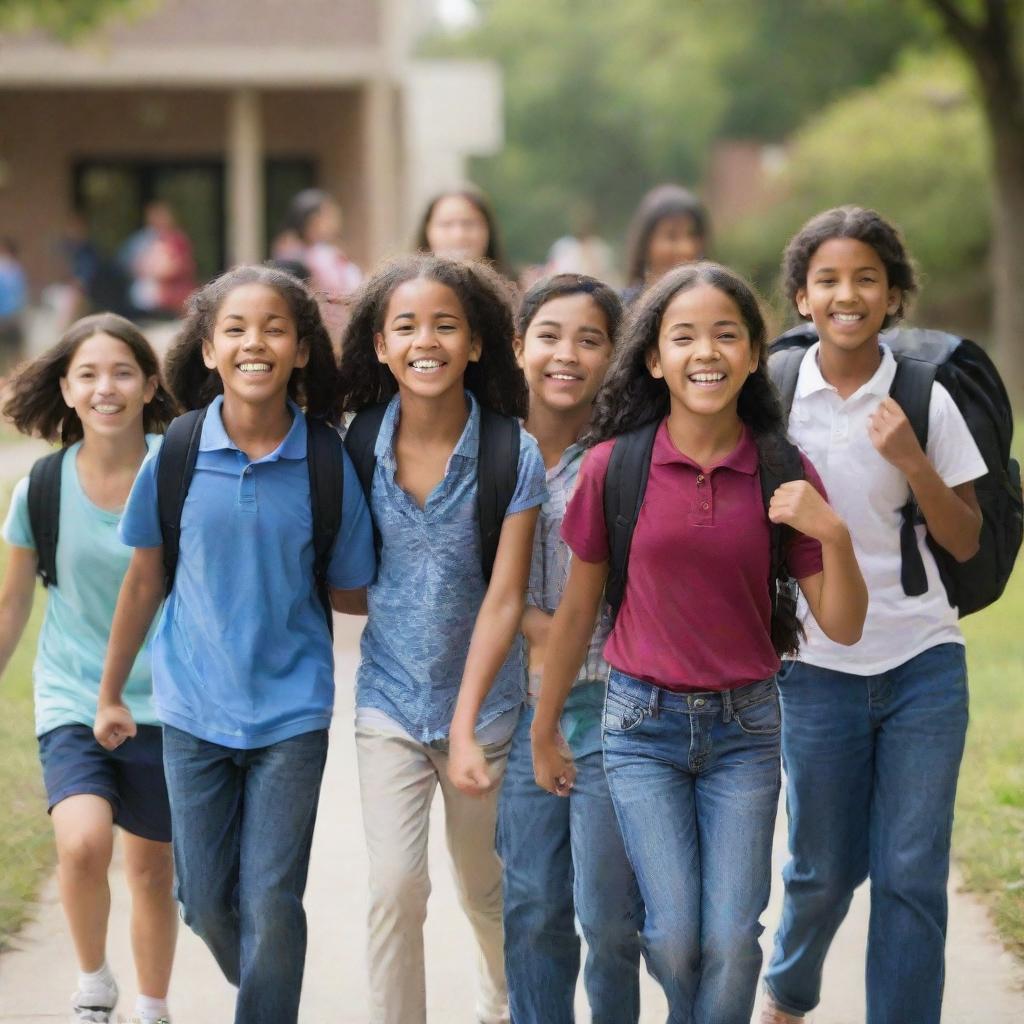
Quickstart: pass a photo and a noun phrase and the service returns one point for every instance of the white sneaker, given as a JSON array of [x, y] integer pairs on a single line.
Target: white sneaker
[[94, 1006]]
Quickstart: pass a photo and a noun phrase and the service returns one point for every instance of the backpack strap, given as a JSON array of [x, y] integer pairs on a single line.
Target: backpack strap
[[624, 487], [784, 369], [44, 512], [325, 462], [912, 391], [497, 475], [175, 466], [360, 441]]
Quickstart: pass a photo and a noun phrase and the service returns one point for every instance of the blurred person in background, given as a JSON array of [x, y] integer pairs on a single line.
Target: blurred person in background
[[13, 300], [460, 224], [670, 227], [160, 261], [582, 251]]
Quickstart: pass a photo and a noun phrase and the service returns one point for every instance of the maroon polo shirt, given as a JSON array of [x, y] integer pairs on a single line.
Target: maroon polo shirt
[[696, 610]]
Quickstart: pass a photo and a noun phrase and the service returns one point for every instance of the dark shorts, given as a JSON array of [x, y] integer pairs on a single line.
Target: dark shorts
[[130, 779]]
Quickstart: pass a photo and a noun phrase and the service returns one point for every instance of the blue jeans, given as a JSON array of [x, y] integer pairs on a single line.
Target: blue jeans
[[563, 857], [871, 765], [695, 780], [242, 823]]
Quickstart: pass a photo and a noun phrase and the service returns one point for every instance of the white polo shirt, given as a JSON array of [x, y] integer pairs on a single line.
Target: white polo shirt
[[868, 492]]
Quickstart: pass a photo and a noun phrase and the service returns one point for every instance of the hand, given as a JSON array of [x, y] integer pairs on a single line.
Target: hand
[[467, 767], [798, 504], [553, 766], [893, 436], [114, 724]]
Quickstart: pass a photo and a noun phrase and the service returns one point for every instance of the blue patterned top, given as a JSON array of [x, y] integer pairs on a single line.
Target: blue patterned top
[[429, 587]]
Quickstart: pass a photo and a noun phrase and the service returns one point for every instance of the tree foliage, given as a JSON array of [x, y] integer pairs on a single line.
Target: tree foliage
[[66, 19], [605, 99]]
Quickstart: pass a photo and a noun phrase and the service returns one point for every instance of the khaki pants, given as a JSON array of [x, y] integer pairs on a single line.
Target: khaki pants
[[397, 779]]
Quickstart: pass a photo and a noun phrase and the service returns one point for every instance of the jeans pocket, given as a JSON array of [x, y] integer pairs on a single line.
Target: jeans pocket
[[762, 718], [621, 715]]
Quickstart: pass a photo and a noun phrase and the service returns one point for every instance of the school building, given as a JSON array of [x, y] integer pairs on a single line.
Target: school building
[[226, 110]]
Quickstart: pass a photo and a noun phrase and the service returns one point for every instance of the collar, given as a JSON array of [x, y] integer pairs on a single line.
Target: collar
[[215, 438], [743, 458], [468, 446], [811, 380]]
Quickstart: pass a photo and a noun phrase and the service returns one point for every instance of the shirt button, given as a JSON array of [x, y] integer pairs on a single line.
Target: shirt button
[[705, 506], [248, 470], [700, 478]]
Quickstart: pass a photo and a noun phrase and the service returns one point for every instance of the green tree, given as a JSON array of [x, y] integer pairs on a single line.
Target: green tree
[[65, 19], [990, 34]]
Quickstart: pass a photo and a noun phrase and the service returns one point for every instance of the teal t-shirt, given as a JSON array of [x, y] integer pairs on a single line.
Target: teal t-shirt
[[91, 563]]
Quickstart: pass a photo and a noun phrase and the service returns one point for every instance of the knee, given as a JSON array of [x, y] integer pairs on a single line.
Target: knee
[[828, 885], [399, 893], [728, 944], [152, 876], [609, 925], [85, 855]]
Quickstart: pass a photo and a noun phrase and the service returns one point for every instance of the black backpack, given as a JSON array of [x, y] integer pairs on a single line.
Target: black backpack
[[497, 470], [44, 513], [326, 482], [624, 487], [967, 373]]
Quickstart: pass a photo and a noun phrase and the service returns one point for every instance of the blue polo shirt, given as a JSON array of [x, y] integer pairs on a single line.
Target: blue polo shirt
[[243, 656], [424, 602]]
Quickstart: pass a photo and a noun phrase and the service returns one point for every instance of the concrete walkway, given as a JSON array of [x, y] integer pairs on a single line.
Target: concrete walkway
[[984, 983]]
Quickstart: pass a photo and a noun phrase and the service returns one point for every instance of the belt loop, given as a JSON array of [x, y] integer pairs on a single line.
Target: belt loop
[[653, 703], [726, 706]]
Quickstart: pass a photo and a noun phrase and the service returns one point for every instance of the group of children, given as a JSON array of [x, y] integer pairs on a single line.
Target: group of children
[[574, 536]]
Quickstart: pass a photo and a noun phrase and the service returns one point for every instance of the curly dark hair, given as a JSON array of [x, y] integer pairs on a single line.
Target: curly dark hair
[[35, 403], [194, 385], [630, 397], [659, 204], [863, 225], [495, 252], [557, 285], [495, 380]]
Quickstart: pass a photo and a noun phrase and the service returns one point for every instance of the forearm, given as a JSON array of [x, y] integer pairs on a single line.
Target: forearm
[[137, 604], [842, 601], [349, 602], [574, 628], [14, 615], [496, 627], [951, 521]]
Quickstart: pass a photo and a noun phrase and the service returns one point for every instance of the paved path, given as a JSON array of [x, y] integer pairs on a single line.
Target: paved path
[[984, 983]]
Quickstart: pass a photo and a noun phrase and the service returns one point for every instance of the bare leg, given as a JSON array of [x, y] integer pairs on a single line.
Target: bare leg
[[83, 826], [149, 869]]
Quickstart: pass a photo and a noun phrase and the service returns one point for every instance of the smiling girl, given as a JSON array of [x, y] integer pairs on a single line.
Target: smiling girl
[[98, 392], [242, 660], [429, 350], [691, 719]]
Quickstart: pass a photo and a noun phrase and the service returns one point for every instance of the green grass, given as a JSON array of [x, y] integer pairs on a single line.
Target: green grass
[[26, 844], [988, 838]]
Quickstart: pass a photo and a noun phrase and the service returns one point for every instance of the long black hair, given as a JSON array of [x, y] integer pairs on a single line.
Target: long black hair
[[486, 298], [862, 225], [631, 397], [194, 385], [661, 203], [35, 403]]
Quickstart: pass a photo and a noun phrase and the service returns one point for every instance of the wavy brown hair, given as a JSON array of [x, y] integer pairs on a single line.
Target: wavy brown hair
[[194, 385], [35, 404], [486, 298]]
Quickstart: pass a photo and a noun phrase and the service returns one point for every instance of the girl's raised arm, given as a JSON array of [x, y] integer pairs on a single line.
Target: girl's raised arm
[[16, 596], [837, 596], [137, 604], [573, 625], [496, 626]]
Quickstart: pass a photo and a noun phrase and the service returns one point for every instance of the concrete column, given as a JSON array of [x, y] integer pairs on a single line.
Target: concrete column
[[245, 178], [380, 164]]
